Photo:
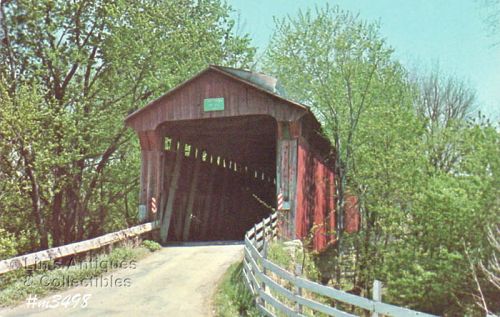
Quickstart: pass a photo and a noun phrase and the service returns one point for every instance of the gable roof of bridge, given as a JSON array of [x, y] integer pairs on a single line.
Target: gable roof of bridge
[[262, 81], [282, 108]]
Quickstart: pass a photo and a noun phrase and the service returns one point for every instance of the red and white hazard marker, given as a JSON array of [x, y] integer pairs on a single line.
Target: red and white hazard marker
[[280, 201], [154, 209]]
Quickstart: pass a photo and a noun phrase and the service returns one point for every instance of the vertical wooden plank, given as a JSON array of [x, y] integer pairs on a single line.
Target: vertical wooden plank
[[179, 212], [158, 181], [150, 181], [192, 196], [161, 185], [182, 194], [144, 174], [214, 200], [297, 290], [286, 174], [200, 199], [376, 294], [264, 270], [168, 168], [208, 203], [143, 194], [319, 205], [331, 205], [220, 214], [152, 144], [293, 187], [302, 193], [165, 223], [279, 175], [285, 169], [159, 151]]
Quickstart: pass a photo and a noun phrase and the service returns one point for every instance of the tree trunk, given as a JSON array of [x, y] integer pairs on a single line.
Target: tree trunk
[[36, 203], [56, 219]]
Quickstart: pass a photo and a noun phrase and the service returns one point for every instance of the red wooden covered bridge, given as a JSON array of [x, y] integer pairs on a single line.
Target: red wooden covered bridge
[[223, 149]]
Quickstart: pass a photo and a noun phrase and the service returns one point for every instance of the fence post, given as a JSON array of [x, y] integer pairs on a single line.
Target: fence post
[[264, 231], [264, 272], [297, 291], [255, 234], [376, 294]]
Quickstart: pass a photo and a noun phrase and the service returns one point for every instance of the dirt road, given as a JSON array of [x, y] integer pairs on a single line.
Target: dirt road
[[175, 281]]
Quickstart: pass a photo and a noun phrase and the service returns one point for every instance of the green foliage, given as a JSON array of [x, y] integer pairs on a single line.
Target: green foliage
[[151, 245], [7, 245], [427, 183], [232, 297], [288, 257], [69, 169], [278, 254]]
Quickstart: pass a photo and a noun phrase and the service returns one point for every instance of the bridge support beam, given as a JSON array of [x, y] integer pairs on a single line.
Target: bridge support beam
[[152, 144], [167, 214], [286, 175]]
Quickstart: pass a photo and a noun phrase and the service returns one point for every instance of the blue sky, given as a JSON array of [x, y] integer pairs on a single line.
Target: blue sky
[[422, 32]]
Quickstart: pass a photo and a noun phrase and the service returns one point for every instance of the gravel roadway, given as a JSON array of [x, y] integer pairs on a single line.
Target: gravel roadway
[[176, 281]]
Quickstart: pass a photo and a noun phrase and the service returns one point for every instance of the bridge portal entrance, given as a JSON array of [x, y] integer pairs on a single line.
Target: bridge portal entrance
[[219, 175]]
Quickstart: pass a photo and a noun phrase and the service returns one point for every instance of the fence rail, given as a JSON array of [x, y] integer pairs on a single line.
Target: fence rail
[[74, 248], [256, 269]]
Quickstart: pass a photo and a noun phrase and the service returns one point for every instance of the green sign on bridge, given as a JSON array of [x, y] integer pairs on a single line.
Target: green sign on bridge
[[213, 104]]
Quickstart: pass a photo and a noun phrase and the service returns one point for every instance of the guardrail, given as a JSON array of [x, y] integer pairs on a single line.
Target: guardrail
[[74, 248], [257, 269]]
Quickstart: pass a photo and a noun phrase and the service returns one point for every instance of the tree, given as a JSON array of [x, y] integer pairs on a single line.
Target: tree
[[443, 100], [490, 268], [336, 63], [94, 62], [423, 208], [443, 104], [23, 140]]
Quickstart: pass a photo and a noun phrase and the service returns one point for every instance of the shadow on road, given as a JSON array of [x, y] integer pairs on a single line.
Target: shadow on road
[[203, 243]]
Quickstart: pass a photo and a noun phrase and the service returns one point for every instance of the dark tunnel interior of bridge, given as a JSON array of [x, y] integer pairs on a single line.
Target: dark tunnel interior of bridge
[[225, 182]]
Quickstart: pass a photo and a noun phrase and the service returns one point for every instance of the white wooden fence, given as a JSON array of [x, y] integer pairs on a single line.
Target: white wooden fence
[[74, 248], [290, 301]]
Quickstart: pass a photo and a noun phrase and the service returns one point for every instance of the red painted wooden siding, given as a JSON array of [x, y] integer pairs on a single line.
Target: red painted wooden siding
[[315, 200], [186, 103]]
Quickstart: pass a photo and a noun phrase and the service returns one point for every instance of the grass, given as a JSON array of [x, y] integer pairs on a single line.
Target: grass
[[232, 297], [17, 286], [279, 254], [151, 245]]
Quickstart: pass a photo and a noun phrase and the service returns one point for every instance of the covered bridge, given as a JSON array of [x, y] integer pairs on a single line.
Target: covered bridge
[[223, 149]]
